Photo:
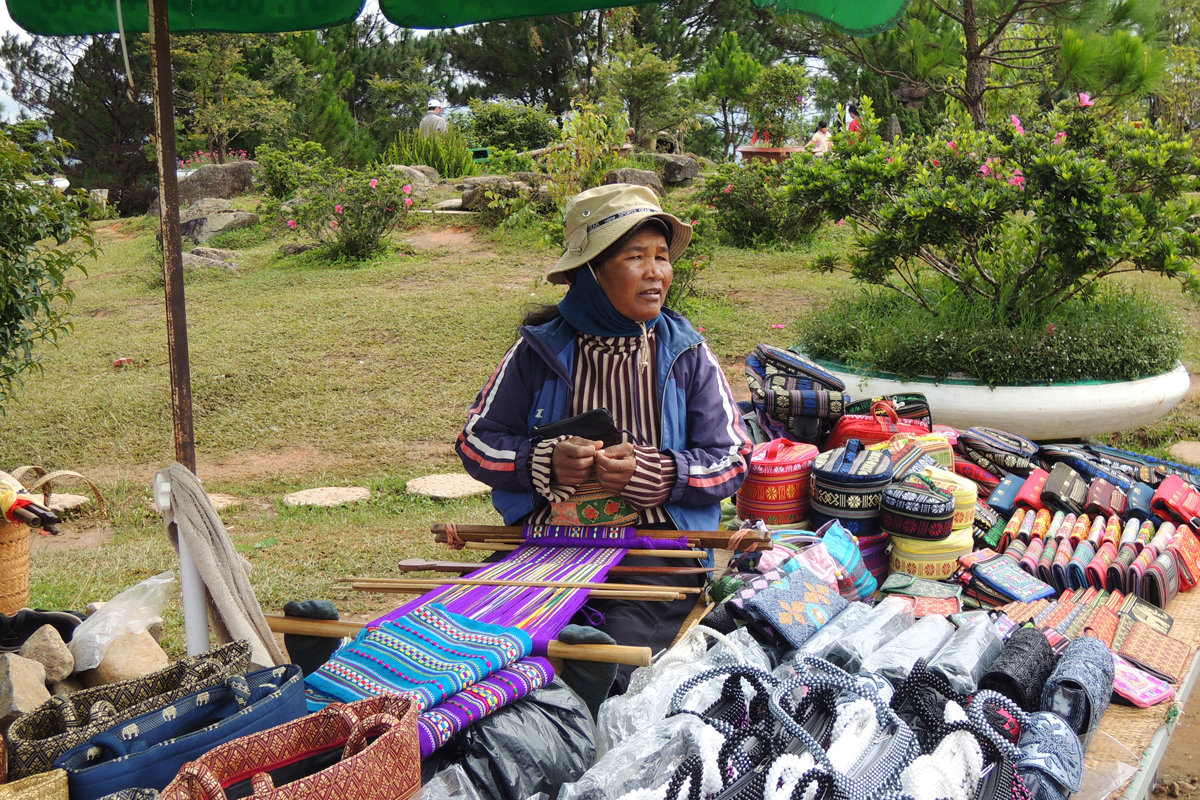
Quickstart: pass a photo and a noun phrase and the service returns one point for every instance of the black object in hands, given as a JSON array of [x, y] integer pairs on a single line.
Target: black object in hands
[[597, 425]]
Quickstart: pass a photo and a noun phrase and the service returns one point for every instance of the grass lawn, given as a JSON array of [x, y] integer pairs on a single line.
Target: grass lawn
[[306, 374]]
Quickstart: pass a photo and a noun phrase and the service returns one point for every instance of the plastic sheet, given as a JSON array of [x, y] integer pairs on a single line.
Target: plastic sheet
[[535, 745], [850, 618], [891, 617], [896, 658], [966, 657], [132, 611], [1104, 776], [650, 688]]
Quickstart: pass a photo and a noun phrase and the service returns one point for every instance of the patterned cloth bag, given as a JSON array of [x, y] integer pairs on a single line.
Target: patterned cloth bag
[[36, 739]]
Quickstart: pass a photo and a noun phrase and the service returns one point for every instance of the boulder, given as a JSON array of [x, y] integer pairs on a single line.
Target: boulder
[[47, 647], [639, 177], [193, 261], [128, 656], [413, 175], [217, 253], [214, 180], [474, 197], [22, 686], [296, 248], [427, 171], [453, 204], [66, 687], [482, 180], [205, 218], [676, 170]]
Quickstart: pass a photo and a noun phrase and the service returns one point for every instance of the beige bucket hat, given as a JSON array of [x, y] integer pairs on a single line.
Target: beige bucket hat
[[598, 217]]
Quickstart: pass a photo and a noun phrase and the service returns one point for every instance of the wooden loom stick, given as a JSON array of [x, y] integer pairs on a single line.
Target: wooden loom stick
[[433, 583], [336, 629], [463, 567], [415, 586], [503, 546], [516, 534]]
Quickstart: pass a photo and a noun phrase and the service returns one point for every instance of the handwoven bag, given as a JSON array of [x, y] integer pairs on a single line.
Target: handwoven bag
[[1085, 463], [1187, 555], [962, 489], [1030, 493], [847, 485], [934, 560], [912, 406], [874, 552], [148, 750], [1065, 490], [934, 445], [855, 580], [36, 739], [791, 395], [776, 489], [1177, 500], [917, 509], [50, 785], [878, 426], [325, 755], [1104, 499], [999, 452]]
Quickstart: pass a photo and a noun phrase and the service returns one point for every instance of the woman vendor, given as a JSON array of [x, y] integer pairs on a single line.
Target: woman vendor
[[610, 343]]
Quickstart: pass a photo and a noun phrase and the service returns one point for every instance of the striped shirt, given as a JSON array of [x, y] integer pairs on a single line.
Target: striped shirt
[[609, 374]]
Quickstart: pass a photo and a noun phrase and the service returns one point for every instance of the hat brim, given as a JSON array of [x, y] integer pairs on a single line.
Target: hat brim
[[598, 242]]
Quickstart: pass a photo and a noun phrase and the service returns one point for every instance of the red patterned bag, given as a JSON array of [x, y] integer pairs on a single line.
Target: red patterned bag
[[880, 425], [327, 754], [776, 489]]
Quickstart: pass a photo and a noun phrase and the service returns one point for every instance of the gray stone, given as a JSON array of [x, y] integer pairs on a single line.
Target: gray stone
[[453, 204], [482, 180], [128, 656], [66, 687], [1187, 452], [206, 218], [295, 248], [447, 486], [893, 132], [214, 180], [639, 177], [217, 253], [193, 261], [94, 606], [22, 686], [222, 502], [412, 174], [327, 496], [427, 171], [47, 648], [64, 504], [155, 629], [474, 196], [677, 170]]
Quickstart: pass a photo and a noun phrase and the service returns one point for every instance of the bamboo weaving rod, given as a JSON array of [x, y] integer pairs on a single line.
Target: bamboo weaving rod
[[436, 582], [417, 586], [503, 546], [336, 629], [463, 567], [747, 540]]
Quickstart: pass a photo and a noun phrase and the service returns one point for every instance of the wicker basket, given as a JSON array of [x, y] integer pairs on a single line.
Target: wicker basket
[[14, 567]]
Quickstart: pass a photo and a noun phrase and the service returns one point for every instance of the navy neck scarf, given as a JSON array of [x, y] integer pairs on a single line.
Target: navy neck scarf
[[589, 310]]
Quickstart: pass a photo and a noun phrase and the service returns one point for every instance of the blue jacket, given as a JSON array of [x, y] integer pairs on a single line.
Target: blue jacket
[[701, 424]]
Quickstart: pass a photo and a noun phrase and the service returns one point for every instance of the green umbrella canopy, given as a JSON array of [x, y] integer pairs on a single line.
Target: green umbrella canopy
[[78, 17]]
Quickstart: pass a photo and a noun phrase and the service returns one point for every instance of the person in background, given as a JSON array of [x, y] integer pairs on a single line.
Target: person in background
[[853, 118], [433, 122], [610, 343], [821, 142]]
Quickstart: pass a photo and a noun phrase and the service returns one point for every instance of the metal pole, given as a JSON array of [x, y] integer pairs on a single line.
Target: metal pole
[[168, 209]]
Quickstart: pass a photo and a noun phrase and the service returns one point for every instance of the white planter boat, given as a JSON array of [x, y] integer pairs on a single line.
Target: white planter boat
[[1042, 412]]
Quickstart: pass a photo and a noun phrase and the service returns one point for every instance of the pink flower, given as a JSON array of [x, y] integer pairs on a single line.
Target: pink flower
[[374, 182], [890, 159], [338, 208], [841, 221], [700, 329], [1017, 179], [292, 224], [935, 162], [1050, 329], [953, 146], [729, 188], [406, 188], [1060, 137], [333, 224], [778, 325], [1085, 100], [990, 166], [1016, 121], [408, 201]]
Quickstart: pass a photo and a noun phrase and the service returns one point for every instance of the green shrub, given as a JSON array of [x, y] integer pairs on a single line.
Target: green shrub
[[509, 125], [754, 209], [1117, 335], [348, 213], [283, 171], [446, 152], [698, 256], [34, 290], [506, 162]]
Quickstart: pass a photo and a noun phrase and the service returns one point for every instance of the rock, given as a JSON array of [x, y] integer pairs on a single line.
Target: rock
[[453, 204], [94, 606], [428, 171], [129, 655], [474, 195], [155, 629], [639, 177], [64, 504], [47, 647], [482, 180], [677, 170], [193, 261], [447, 486], [22, 686], [66, 687], [296, 248], [893, 131], [412, 174], [1187, 452], [221, 502], [214, 180], [217, 253], [327, 496], [205, 218]]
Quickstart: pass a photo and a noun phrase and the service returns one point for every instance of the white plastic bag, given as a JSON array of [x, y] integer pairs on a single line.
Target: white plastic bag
[[132, 611]]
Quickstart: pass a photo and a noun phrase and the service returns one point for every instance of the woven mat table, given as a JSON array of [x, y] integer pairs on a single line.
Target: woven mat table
[[1122, 760]]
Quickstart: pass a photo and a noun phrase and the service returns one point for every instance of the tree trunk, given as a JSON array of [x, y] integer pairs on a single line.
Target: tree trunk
[[975, 81]]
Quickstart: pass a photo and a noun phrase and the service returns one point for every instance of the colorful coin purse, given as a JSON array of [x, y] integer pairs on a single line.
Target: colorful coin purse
[[795, 611]]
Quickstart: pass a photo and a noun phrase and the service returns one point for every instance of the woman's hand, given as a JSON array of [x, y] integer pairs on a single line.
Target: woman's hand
[[573, 460], [615, 466]]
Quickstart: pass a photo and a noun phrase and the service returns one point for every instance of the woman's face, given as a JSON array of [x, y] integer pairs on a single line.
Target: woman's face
[[637, 277]]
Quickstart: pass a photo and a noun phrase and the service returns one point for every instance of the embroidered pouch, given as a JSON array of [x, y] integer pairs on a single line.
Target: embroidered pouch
[[933, 560], [1186, 548], [1177, 500], [912, 586], [911, 406], [796, 611], [1030, 494], [917, 509], [1102, 625], [1003, 576], [1137, 502], [1065, 490], [855, 580], [1104, 499], [1137, 686], [1161, 655], [1021, 669], [880, 425], [1004, 497], [964, 491], [997, 451]]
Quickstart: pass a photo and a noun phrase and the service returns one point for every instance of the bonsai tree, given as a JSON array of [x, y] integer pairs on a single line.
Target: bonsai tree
[[776, 99]]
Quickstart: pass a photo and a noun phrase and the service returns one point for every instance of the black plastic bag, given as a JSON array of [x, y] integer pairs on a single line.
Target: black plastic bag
[[535, 745]]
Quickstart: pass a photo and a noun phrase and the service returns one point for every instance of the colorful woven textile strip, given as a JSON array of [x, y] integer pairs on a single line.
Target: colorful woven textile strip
[[1077, 567], [1058, 569], [1097, 571], [540, 612], [1046, 560], [597, 536], [429, 653], [502, 688]]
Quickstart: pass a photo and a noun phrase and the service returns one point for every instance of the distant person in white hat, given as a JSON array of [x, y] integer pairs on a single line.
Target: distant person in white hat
[[433, 122]]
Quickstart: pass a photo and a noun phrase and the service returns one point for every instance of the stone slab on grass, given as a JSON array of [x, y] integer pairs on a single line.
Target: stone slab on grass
[[63, 504], [1186, 452], [447, 486], [327, 496]]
